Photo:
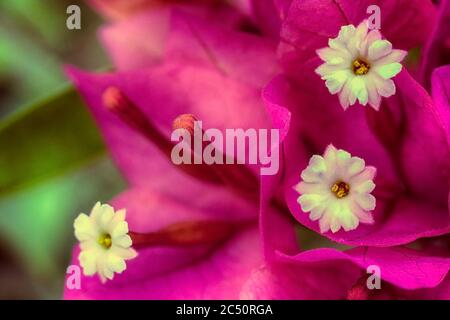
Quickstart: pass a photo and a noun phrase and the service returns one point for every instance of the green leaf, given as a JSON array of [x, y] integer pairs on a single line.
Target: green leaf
[[47, 139]]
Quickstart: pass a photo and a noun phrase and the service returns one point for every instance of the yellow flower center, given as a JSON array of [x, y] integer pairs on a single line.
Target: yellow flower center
[[340, 189], [360, 67], [105, 241]]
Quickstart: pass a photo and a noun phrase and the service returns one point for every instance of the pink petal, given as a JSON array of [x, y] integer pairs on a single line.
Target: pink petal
[[277, 229], [437, 49], [125, 42], [330, 274], [141, 41], [441, 95], [235, 54], [406, 268], [119, 9], [409, 125], [289, 280]]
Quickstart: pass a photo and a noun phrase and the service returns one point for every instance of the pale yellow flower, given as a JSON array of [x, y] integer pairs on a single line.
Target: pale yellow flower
[[104, 241], [335, 190], [359, 65]]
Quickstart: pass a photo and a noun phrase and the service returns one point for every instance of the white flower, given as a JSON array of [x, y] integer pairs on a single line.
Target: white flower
[[359, 65], [336, 190], [104, 241]]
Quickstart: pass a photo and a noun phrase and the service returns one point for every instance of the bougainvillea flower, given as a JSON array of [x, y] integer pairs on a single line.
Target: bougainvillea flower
[[336, 189], [407, 143], [104, 241], [136, 111], [437, 49], [359, 65]]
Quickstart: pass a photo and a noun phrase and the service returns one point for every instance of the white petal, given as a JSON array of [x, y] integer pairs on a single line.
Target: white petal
[[346, 33], [331, 56], [395, 56], [115, 263], [336, 80], [324, 223], [119, 217], [97, 212], [389, 70], [309, 201], [335, 225], [342, 157], [358, 90], [354, 166], [364, 216], [366, 201], [124, 253], [105, 272], [367, 174], [310, 176], [379, 49], [123, 241], [330, 154], [104, 216], [356, 43], [371, 37], [364, 187], [349, 221], [317, 163], [326, 69], [362, 29], [386, 88], [88, 261], [120, 229], [344, 95], [317, 213], [84, 228], [374, 96]]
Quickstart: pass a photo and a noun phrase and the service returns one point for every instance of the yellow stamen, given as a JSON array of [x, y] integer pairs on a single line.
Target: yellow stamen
[[360, 67], [105, 241], [340, 189]]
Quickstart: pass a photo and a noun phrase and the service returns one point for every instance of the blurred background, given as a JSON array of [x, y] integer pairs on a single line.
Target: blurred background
[[53, 164]]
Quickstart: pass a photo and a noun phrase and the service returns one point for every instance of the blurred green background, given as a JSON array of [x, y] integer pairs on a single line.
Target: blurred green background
[[53, 164]]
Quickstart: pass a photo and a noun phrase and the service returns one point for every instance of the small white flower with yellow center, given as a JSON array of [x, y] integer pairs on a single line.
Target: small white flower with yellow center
[[359, 65], [104, 241], [336, 190]]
